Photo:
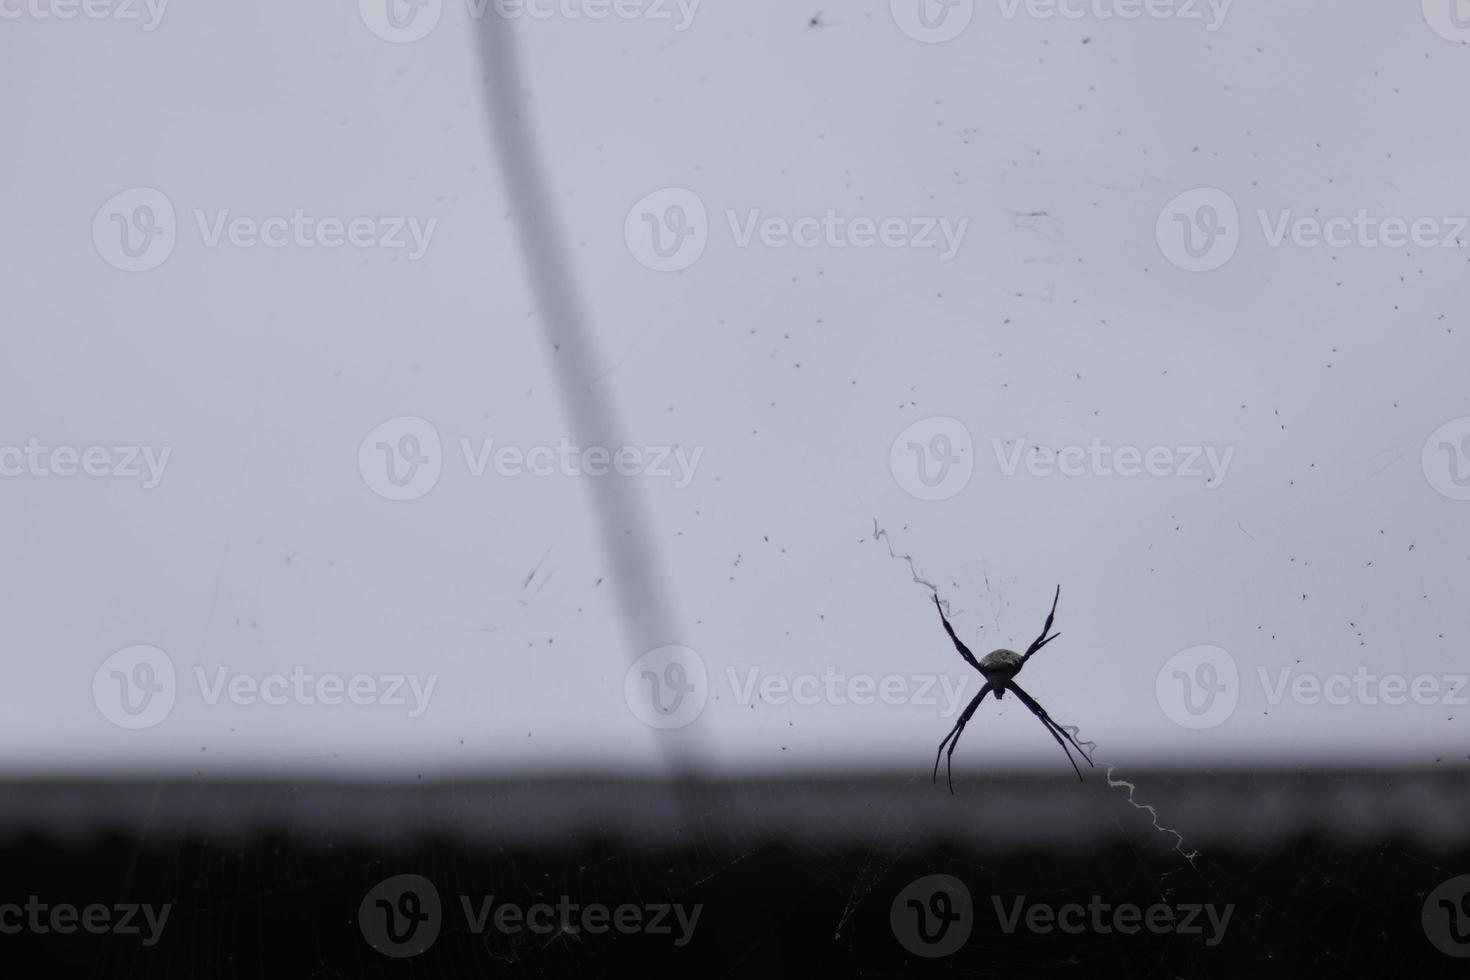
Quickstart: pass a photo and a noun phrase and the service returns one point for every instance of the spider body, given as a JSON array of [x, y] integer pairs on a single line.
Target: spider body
[[999, 668]]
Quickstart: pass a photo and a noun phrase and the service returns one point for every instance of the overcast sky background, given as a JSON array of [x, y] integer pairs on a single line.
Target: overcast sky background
[[1327, 546]]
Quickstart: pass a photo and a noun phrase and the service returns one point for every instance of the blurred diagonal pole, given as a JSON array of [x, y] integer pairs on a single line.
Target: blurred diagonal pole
[[637, 578]]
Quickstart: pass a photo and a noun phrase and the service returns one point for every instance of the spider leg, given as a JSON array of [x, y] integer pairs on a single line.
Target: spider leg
[[954, 733], [1043, 639], [958, 644], [1052, 727]]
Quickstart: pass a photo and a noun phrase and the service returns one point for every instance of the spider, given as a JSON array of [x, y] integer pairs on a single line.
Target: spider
[[1000, 668]]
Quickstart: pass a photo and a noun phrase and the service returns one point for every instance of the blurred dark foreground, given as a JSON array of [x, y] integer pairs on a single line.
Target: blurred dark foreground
[[1297, 874]]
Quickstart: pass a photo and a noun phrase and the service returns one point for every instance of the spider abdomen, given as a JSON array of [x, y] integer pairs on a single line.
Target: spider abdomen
[[1000, 666], [999, 660]]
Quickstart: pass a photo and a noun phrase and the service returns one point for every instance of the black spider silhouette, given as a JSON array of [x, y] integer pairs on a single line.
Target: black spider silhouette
[[1000, 668]]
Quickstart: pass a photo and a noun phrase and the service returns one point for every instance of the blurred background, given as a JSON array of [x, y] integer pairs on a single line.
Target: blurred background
[[508, 449]]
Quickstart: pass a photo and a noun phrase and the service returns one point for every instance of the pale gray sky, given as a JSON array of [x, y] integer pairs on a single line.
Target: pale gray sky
[[1325, 540]]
